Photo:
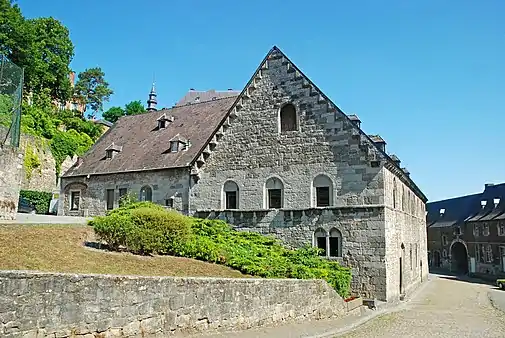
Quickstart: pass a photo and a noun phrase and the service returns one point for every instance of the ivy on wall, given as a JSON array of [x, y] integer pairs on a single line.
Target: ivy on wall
[[31, 162]]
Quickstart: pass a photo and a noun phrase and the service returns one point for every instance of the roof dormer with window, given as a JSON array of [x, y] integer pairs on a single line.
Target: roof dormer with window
[[164, 121], [112, 150], [178, 143]]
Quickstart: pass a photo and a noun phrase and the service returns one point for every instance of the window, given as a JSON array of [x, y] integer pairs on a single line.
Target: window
[[169, 202], [320, 241], [146, 194], [444, 253], [489, 253], [110, 198], [335, 243], [375, 164], [444, 240], [108, 154], [323, 189], [122, 192], [476, 230], [75, 197], [174, 146], [415, 254], [485, 229], [501, 229], [288, 120], [394, 192], [274, 193], [230, 195], [411, 262], [162, 124], [458, 231]]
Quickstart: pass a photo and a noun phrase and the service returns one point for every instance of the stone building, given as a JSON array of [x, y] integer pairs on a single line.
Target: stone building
[[467, 234], [278, 158]]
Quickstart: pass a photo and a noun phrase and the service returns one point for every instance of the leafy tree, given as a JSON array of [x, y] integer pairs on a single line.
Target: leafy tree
[[12, 25], [134, 108], [92, 88], [113, 114]]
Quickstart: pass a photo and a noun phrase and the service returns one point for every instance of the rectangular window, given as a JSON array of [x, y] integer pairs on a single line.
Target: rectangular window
[[231, 200], [476, 230], [485, 230], [489, 254], [169, 202], [110, 199], [174, 146], [334, 249], [323, 196], [477, 252], [274, 198], [122, 192], [75, 197], [321, 244], [501, 230]]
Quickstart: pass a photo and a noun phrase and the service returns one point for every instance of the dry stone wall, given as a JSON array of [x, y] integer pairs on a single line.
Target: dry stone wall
[[66, 305], [11, 164]]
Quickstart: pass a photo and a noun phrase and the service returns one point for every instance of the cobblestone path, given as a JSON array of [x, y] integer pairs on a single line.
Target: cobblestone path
[[446, 308]]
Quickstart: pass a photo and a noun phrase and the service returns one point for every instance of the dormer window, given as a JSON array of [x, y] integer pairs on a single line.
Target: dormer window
[[496, 201], [112, 150], [178, 143], [442, 212], [483, 204], [163, 121]]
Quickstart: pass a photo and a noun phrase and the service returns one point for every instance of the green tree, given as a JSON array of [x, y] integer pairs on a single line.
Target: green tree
[[41, 46], [92, 88], [134, 108], [113, 114]]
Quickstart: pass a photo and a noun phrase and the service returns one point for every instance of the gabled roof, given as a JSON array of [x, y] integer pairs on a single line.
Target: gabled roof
[[144, 146], [467, 208], [277, 53], [194, 96]]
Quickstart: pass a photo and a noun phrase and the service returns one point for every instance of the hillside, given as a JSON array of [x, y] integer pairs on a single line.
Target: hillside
[[62, 248]]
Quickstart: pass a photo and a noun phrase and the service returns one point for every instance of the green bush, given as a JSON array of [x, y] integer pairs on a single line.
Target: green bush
[[145, 227], [40, 200]]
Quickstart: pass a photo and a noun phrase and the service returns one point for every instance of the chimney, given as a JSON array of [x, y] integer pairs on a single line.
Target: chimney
[[355, 119], [396, 160], [230, 89], [378, 141], [406, 172], [191, 89]]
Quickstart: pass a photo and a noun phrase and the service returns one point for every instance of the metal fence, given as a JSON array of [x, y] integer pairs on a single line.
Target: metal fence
[[11, 95]]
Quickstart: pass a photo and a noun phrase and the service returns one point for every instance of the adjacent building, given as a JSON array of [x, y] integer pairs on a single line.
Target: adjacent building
[[277, 158], [467, 234]]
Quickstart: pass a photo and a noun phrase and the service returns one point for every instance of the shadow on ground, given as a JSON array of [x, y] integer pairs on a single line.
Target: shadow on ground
[[463, 278]]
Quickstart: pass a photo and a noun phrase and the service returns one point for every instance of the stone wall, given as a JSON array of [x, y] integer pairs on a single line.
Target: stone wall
[[406, 239], [44, 304], [11, 166], [42, 177], [252, 149], [361, 229], [164, 185]]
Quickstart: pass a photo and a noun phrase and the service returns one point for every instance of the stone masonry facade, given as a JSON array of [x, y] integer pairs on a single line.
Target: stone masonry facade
[[272, 171], [11, 166], [89, 306]]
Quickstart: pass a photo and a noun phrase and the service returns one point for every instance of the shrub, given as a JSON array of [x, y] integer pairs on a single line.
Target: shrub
[[145, 227], [40, 200]]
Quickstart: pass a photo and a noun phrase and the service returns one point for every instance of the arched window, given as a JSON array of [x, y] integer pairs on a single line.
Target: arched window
[[394, 192], [288, 119], [320, 240], [274, 193], [335, 243], [322, 191], [231, 195], [146, 194]]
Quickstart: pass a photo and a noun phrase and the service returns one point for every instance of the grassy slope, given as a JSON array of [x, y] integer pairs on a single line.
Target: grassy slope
[[61, 248]]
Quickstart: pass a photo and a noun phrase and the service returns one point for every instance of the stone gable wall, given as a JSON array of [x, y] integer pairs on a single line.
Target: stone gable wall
[[11, 166], [251, 150], [67, 305], [361, 228], [164, 184]]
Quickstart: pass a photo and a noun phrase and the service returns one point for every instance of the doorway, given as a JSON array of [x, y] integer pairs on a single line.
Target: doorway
[[436, 259], [459, 258]]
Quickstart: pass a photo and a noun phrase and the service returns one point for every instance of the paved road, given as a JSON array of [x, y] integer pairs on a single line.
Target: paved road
[[447, 307], [45, 219]]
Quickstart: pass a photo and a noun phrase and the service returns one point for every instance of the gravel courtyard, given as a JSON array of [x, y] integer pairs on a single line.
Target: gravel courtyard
[[446, 308]]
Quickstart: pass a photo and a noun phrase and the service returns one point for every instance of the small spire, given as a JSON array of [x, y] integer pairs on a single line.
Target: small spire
[[152, 101]]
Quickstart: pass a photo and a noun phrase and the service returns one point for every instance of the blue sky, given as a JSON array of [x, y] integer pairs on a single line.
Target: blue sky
[[427, 75]]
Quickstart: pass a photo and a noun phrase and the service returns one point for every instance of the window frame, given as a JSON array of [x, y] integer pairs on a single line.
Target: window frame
[[328, 197], [176, 144], [72, 192], [270, 198], [296, 123], [109, 204], [151, 192]]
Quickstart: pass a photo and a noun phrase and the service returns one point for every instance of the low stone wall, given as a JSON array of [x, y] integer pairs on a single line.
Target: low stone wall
[[36, 304], [11, 164]]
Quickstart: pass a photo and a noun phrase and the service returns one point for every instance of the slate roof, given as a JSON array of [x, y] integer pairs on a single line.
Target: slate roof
[[467, 208], [204, 96], [144, 147]]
